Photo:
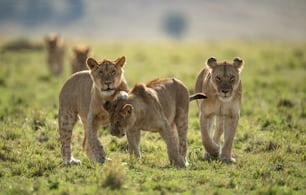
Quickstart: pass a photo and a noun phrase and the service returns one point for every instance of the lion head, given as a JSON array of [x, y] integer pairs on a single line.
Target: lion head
[[121, 115], [107, 75], [225, 77], [81, 53], [52, 41]]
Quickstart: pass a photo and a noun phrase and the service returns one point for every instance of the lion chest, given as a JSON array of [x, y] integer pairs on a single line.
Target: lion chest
[[99, 114], [102, 116], [217, 107]]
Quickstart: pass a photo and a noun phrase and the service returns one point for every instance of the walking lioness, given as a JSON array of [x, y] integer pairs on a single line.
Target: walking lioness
[[221, 83], [160, 106], [83, 95], [55, 53]]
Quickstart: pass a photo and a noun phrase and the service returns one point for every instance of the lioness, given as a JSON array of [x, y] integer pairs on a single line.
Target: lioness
[[160, 106], [83, 95], [55, 53], [221, 83], [78, 61]]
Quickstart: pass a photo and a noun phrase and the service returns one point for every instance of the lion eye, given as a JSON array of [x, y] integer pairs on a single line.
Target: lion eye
[[100, 72], [232, 79], [113, 72], [218, 78]]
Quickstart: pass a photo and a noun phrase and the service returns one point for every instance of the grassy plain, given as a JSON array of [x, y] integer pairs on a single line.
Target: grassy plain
[[270, 144]]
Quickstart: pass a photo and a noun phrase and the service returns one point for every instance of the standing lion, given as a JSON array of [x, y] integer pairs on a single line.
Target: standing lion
[[162, 106], [78, 61], [82, 97], [55, 53], [221, 83]]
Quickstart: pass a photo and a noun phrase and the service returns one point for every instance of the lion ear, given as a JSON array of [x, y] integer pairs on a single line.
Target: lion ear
[[120, 61], [87, 50], [75, 49], [91, 63], [238, 63], [212, 62], [126, 110]]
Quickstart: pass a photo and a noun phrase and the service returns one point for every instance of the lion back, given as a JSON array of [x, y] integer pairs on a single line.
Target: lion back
[[172, 95]]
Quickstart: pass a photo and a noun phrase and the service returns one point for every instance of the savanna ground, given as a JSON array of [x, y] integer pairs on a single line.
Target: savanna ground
[[270, 144]]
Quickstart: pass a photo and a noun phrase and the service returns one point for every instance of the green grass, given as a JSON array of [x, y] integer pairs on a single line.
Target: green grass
[[270, 144]]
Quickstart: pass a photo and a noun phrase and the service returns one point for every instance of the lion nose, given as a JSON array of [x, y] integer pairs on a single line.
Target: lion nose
[[225, 90]]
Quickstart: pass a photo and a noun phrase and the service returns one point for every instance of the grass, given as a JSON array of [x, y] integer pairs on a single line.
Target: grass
[[270, 144]]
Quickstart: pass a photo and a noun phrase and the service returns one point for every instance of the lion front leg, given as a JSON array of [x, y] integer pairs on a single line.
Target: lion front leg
[[133, 138], [59, 66], [51, 65], [230, 126], [86, 145], [97, 153], [211, 148], [219, 129]]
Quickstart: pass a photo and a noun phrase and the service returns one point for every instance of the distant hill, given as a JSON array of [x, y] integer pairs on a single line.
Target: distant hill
[[145, 19]]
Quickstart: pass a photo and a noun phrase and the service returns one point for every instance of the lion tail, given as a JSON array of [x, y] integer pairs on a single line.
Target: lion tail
[[197, 96]]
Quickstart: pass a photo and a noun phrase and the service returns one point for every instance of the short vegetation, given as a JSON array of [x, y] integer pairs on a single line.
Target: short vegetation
[[269, 145]]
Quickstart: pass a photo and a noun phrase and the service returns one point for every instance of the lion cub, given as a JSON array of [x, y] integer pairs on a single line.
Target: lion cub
[[221, 83], [82, 96], [55, 53], [160, 106], [78, 61]]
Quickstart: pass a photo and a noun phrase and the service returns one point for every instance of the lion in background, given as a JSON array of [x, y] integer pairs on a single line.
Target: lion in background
[[160, 106], [82, 96], [220, 81], [79, 56], [55, 53]]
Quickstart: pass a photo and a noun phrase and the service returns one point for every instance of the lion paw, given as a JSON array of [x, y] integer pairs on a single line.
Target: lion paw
[[182, 163], [228, 160], [99, 159], [73, 161], [179, 162], [208, 156]]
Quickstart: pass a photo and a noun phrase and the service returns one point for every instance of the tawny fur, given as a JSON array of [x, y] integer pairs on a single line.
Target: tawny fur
[[78, 60], [82, 96], [221, 83], [160, 106], [55, 53]]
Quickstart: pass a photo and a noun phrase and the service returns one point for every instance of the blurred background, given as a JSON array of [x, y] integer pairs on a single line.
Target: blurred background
[[155, 20], [160, 38]]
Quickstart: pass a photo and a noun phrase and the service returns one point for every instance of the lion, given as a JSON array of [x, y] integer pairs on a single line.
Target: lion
[[221, 83], [82, 96], [161, 106], [55, 53], [78, 61]]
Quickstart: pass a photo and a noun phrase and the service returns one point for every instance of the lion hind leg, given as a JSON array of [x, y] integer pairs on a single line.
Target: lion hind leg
[[66, 123], [168, 134], [181, 125]]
